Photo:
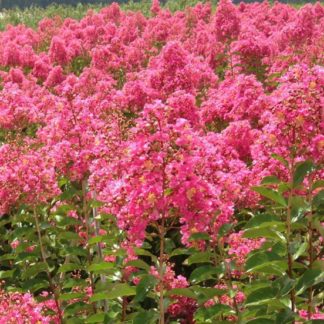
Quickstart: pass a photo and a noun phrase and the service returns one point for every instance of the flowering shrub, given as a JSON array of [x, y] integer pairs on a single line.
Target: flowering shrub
[[164, 168]]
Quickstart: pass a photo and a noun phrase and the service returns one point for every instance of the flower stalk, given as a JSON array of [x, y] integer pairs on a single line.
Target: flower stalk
[[50, 279]]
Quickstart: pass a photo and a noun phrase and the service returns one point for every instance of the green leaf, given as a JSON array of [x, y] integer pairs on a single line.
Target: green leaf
[[261, 320], [203, 273], [7, 257], [95, 203], [270, 180], [318, 184], [34, 270], [63, 209], [224, 229], [69, 236], [35, 284], [204, 294], [284, 284], [318, 264], [65, 221], [68, 267], [24, 232], [117, 290], [69, 193], [199, 236], [119, 252], [318, 225], [200, 257], [186, 292], [299, 207], [96, 318], [264, 232], [147, 317], [70, 283], [318, 200], [69, 296], [265, 262], [311, 277], [211, 312], [74, 320], [299, 265], [169, 245], [261, 296], [168, 191], [140, 251], [274, 268], [146, 284], [100, 267], [74, 250], [72, 309], [301, 250], [95, 239], [272, 195], [284, 316], [277, 303], [284, 187], [6, 274], [140, 264], [63, 181], [302, 170], [263, 220], [280, 159], [180, 251]]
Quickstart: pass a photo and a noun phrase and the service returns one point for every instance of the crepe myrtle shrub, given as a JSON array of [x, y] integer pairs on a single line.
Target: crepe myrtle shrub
[[163, 168]]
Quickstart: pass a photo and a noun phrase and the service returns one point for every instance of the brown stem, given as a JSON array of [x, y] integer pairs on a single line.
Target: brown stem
[[100, 254], [289, 255], [50, 279], [227, 50], [228, 270], [87, 223], [161, 270], [228, 278], [214, 254], [310, 248], [162, 232], [124, 309]]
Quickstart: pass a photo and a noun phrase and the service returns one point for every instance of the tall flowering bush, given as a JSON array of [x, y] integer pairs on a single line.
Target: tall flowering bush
[[164, 168]]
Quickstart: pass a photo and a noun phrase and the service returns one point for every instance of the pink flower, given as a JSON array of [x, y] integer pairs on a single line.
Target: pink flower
[[227, 21], [14, 244], [155, 8]]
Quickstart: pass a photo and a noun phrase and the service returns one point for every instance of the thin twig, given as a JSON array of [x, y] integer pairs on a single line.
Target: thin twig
[[50, 279], [87, 223], [100, 254]]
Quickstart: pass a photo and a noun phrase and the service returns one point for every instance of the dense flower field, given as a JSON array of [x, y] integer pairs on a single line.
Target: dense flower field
[[163, 169]]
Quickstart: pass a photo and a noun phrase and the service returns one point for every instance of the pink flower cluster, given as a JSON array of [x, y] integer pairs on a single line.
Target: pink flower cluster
[[27, 176], [239, 248], [315, 316], [174, 115], [234, 302], [18, 308], [181, 307]]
